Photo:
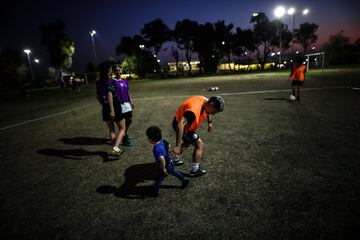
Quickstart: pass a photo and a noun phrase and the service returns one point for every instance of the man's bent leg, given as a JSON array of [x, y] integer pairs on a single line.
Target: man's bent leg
[[197, 154]]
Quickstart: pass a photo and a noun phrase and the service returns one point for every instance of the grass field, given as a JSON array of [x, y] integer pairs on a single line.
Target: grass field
[[275, 169]]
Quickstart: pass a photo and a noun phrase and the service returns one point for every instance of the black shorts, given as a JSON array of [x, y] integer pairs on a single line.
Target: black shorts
[[106, 113], [189, 137], [297, 83], [127, 115]]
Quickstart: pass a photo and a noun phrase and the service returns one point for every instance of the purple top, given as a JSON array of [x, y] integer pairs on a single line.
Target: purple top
[[102, 90], [121, 90]]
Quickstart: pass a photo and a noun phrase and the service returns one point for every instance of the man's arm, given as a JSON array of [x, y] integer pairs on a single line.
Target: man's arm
[[210, 126], [179, 134]]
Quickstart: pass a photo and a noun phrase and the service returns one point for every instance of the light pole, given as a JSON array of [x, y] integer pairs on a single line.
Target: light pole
[[28, 51], [92, 33], [279, 13], [292, 12]]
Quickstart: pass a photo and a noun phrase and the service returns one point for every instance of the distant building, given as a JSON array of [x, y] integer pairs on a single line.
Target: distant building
[[183, 67]]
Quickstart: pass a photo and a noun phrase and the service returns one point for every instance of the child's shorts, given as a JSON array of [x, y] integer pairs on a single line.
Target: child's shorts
[[106, 113], [297, 83]]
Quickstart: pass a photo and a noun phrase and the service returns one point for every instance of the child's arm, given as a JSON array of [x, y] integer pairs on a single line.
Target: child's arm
[[163, 165], [111, 104], [131, 100]]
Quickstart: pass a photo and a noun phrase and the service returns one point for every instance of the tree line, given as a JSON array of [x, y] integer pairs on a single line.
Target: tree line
[[212, 43]]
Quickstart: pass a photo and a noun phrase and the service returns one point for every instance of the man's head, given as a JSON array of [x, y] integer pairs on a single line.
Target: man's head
[[214, 105]]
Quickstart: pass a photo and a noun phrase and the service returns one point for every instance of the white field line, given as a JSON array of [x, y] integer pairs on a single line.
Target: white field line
[[156, 98], [42, 118]]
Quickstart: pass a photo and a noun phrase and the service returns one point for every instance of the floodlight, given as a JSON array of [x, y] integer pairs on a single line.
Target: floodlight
[[291, 11], [279, 11]]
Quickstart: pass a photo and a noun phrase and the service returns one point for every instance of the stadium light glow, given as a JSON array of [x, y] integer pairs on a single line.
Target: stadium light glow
[[305, 11], [279, 11], [92, 33], [291, 11]]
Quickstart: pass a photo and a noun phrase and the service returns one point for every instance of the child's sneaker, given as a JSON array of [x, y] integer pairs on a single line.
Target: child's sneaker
[[127, 141], [178, 161], [185, 183], [117, 151], [197, 173]]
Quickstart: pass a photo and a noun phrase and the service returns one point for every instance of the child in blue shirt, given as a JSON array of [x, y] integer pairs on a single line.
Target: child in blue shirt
[[163, 159]]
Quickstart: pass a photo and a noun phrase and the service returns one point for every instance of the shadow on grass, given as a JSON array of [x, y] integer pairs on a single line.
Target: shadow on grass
[[85, 141], [135, 174], [75, 154]]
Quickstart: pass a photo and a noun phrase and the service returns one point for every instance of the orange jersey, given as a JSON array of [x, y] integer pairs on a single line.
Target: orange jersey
[[298, 73], [193, 104]]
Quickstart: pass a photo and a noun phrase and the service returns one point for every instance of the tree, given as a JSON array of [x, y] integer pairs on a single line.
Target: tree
[[243, 41], [204, 45], [224, 40], [133, 47], [184, 36], [155, 34], [59, 46], [13, 72], [129, 65], [305, 35], [286, 35], [176, 55], [264, 33], [337, 48]]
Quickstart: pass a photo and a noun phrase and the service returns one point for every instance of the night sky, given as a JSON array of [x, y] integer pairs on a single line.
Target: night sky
[[20, 20]]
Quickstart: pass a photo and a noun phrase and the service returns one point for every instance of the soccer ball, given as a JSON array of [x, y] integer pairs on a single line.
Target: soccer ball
[[292, 98]]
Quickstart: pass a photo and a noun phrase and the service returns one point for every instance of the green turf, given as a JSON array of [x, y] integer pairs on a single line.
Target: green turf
[[276, 170]]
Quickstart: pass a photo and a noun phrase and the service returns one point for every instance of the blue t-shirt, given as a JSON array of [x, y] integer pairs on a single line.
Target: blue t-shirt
[[162, 149]]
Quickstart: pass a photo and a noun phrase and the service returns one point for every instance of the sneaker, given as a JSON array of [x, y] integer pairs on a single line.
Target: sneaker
[[197, 173], [117, 151], [178, 161], [292, 98], [127, 141], [185, 183]]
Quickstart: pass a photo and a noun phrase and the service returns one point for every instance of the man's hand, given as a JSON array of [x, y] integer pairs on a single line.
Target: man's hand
[[210, 127], [176, 150]]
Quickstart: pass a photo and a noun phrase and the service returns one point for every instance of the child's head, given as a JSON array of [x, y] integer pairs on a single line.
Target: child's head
[[105, 71], [117, 70], [299, 60], [154, 134]]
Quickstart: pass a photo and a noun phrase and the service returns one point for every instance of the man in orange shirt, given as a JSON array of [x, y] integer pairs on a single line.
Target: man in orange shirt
[[187, 120], [297, 76]]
